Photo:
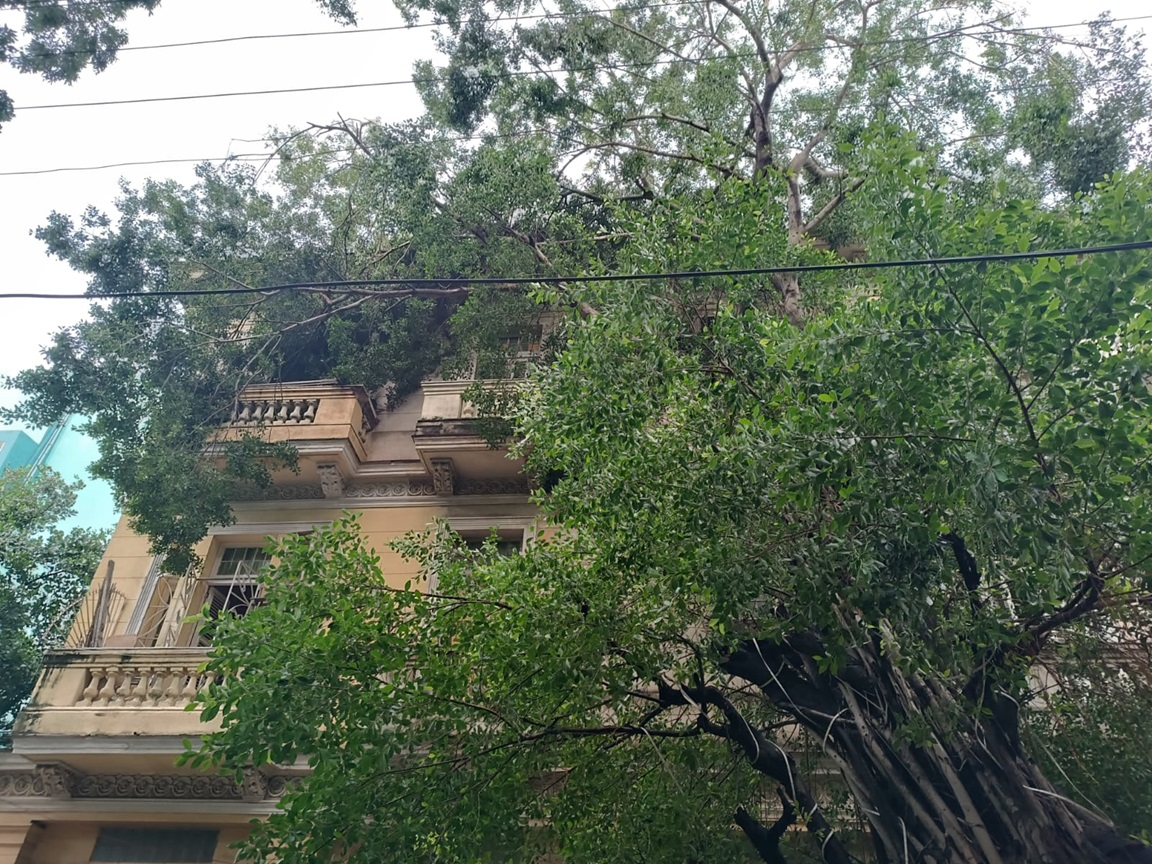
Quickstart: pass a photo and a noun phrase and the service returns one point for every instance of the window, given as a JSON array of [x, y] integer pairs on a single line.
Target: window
[[475, 533], [155, 845], [232, 589], [507, 543]]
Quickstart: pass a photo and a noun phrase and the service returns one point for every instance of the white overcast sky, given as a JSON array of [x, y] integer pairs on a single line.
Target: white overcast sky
[[208, 128]]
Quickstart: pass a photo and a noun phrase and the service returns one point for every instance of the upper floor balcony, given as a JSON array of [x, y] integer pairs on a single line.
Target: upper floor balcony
[[306, 411], [433, 443]]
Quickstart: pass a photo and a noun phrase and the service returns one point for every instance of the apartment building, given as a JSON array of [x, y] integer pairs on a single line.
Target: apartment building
[[92, 775]]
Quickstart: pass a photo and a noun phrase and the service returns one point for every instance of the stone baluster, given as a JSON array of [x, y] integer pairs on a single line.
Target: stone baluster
[[88, 694], [155, 685], [111, 676], [310, 408], [140, 691], [192, 684], [123, 689], [297, 412], [173, 695]]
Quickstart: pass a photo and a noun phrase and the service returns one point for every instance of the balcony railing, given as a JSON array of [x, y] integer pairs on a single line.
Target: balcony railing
[[260, 411], [162, 678], [306, 410]]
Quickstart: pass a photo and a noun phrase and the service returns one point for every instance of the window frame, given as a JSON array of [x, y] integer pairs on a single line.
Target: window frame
[[211, 579]]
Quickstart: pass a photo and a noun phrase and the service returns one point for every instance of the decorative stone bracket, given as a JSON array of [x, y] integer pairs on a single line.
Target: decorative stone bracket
[[443, 477], [331, 480]]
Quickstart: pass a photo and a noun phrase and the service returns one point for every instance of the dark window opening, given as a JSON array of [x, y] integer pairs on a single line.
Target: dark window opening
[[155, 845], [233, 589], [506, 545]]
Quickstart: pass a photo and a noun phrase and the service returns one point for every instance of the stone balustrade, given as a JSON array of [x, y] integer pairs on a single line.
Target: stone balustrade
[[145, 682], [141, 691], [306, 411], [265, 411]]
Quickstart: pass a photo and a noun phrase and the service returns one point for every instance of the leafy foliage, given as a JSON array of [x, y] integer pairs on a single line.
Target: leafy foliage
[[1088, 726], [43, 570], [867, 527], [800, 522], [159, 374]]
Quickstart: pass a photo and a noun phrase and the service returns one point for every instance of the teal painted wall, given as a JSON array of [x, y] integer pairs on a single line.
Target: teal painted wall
[[69, 452], [17, 449]]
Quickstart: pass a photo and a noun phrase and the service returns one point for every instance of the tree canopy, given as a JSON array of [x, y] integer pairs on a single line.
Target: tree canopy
[[43, 570], [865, 531], [830, 524], [547, 132]]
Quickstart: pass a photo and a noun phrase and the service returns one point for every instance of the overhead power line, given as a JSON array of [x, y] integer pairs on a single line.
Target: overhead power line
[[239, 157], [399, 286], [353, 31], [257, 157], [519, 73]]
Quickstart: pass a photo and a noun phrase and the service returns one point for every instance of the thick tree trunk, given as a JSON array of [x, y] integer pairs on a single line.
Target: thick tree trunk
[[940, 781]]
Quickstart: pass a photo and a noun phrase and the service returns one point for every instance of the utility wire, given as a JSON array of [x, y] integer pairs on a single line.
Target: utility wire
[[264, 157], [519, 73], [363, 286], [538, 16], [351, 31], [238, 157]]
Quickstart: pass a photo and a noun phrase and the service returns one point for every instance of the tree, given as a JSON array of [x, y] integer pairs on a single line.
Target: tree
[[1087, 727], [653, 105], [158, 375], [850, 512], [854, 538], [43, 570]]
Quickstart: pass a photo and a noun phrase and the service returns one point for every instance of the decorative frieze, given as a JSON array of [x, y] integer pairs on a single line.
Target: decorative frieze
[[158, 786], [510, 486], [26, 784], [55, 781], [297, 492], [443, 484], [395, 489]]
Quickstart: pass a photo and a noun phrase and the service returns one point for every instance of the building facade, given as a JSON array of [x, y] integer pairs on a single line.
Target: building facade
[[92, 775]]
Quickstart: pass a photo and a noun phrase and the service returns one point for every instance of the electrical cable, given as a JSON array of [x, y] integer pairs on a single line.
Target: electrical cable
[[260, 157], [539, 16], [432, 285], [351, 31], [516, 73]]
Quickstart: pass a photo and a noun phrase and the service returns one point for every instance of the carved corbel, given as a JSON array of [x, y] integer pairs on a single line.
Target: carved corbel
[[331, 481], [443, 477], [59, 781], [254, 785]]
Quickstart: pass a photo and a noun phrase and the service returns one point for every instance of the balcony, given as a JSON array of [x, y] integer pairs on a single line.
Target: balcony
[[319, 411], [118, 692], [449, 438]]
